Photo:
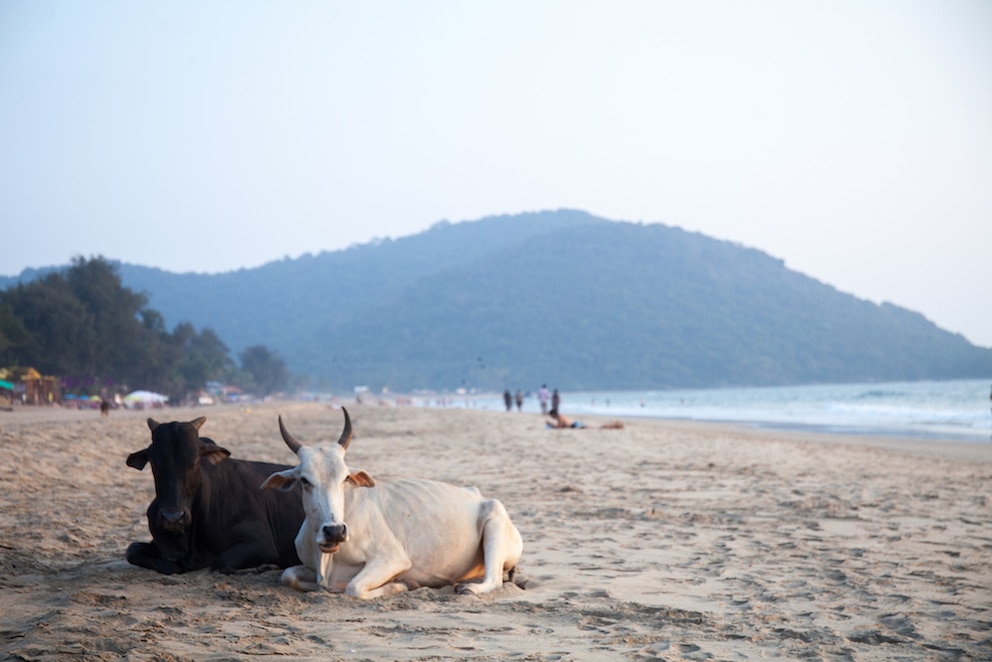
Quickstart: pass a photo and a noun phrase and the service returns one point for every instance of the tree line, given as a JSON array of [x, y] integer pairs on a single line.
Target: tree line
[[84, 326]]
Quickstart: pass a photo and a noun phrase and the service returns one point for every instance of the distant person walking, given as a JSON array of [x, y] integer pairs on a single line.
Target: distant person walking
[[508, 400], [520, 400], [555, 400], [543, 396]]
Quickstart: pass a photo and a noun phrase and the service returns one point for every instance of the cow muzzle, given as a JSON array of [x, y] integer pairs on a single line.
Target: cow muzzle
[[331, 536], [173, 519]]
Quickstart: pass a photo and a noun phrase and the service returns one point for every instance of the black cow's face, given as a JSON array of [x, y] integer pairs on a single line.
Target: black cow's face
[[175, 455]]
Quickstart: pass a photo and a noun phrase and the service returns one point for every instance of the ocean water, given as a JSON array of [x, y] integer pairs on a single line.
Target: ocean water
[[939, 410]]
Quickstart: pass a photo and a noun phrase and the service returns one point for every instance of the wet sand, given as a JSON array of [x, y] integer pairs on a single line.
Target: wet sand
[[665, 540]]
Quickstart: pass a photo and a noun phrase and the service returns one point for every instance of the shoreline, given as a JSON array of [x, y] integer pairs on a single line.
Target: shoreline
[[957, 449], [950, 410], [836, 430], [977, 451]]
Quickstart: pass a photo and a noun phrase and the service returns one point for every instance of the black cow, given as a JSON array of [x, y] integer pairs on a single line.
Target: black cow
[[208, 510]]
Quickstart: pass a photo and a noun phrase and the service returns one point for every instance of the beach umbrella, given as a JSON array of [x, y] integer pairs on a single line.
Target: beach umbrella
[[145, 397]]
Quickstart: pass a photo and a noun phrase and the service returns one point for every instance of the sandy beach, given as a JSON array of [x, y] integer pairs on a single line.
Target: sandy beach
[[664, 540]]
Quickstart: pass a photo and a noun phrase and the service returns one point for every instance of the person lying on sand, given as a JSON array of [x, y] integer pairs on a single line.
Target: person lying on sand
[[559, 422]]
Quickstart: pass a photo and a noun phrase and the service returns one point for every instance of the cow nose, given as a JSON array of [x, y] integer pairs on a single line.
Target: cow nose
[[335, 532], [173, 520]]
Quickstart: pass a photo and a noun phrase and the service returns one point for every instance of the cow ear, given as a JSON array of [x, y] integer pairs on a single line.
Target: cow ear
[[198, 423], [152, 424], [361, 479], [138, 460], [214, 453], [281, 480]]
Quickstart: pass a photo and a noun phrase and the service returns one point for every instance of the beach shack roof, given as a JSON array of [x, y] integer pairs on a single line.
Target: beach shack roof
[[19, 374]]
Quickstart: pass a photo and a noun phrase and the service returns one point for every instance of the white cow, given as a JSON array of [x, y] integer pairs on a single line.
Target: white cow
[[370, 539]]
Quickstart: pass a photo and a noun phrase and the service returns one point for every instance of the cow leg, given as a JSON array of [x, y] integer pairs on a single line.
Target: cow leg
[[146, 555], [301, 578], [373, 581], [243, 555], [501, 548]]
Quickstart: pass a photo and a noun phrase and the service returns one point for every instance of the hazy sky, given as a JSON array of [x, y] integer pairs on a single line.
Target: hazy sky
[[851, 139]]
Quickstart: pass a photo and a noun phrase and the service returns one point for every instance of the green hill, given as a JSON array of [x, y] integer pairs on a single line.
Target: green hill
[[560, 297]]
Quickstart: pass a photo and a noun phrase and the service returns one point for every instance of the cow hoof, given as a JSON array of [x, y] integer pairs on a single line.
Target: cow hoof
[[467, 589], [300, 578], [305, 587], [134, 553]]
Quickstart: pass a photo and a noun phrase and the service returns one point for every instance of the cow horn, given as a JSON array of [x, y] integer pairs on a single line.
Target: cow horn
[[345, 439], [290, 440], [198, 423]]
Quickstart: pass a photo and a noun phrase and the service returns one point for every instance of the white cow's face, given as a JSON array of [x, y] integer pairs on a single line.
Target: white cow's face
[[323, 474]]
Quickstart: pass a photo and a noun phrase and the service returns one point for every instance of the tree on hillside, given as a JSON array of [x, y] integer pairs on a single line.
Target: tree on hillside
[[154, 361], [12, 331], [58, 324], [203, 357], [115, 329], [264, 371]]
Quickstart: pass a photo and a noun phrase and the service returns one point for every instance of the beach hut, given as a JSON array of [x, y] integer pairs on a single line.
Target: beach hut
[[33, 387], [6, 394]]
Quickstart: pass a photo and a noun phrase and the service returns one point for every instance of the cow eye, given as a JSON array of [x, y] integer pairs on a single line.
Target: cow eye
[[306, 483]]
